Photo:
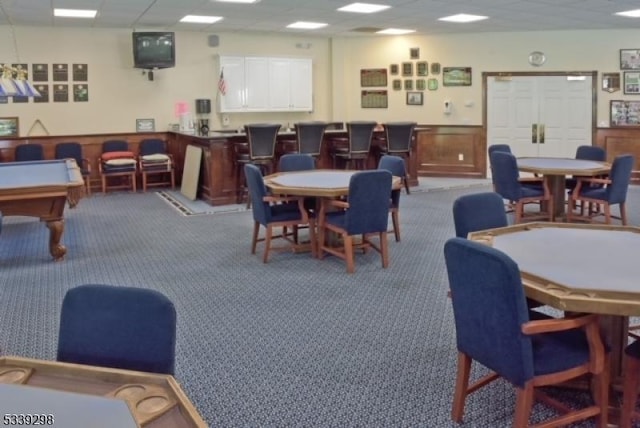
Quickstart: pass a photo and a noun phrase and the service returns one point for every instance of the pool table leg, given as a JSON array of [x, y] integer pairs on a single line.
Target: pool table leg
[[57, 250]]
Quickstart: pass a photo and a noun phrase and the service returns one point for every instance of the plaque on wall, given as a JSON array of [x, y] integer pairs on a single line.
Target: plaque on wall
[[374, 99], [456, 76], [4, 100], [44, 94], [40, 72], [373, 77], [60, 73], [80, 73], [17, 99], [60, 93], [81, 93]]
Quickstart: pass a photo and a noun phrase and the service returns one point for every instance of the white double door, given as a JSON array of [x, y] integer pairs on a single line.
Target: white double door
[[540, 115]]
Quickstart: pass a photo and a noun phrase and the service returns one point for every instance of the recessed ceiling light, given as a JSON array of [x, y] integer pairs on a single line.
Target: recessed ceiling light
[[363, 8], [307, 25], [630, 13], [200, 19], [238, 1], [463, 17], [395, 31], [75, 13]]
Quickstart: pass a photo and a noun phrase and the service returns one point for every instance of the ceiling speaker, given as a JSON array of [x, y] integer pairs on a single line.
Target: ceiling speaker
[[214, 40]]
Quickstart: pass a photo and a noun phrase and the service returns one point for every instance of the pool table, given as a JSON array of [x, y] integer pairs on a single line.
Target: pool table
[[41, 189]]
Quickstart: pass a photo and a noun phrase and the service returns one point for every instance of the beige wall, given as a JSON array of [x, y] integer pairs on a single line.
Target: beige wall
[[118, 93]]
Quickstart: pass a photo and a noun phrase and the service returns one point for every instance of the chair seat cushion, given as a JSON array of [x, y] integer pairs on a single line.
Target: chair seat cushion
[[531, 192], [553, 352], [285, 212], [117, 155], [594, 193], [336, 218], [157, 157], [120, 162]]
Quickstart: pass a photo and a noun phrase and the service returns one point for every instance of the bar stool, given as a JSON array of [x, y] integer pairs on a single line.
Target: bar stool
[[309, 136], [356, 153], [398, 143], [261, 139]]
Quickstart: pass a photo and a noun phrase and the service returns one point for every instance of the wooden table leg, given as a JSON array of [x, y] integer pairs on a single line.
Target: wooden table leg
[[57, 250]]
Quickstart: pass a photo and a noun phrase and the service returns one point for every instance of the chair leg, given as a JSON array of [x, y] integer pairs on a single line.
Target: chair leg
[[518, 212], [254, 240], [462, 384], [396, 224], [524, 402], [267, 243], [312, 237], [623, 213], [601, 395], [173, 179], [133, 182], [104, 184], [384, 249], [607, 213], [406, 185], [348, 253], [144, 181], [630, 390]]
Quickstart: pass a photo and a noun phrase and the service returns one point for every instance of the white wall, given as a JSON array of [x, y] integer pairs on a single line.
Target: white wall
[[118, 93]]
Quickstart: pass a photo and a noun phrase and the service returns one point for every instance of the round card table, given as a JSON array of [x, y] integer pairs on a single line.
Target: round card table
[[554, 171], [578, 268]]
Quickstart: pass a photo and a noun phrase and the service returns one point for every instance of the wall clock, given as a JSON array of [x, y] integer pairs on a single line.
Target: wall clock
[[537, 58]]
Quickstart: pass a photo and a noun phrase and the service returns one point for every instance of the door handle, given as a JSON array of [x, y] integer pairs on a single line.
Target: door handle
[[534, 133], [541, 133]]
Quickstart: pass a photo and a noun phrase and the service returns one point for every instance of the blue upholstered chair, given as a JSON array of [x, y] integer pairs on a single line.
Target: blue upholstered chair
[[122, 327], [272, 212], [366, 213], [73, 150], [478, 211], [153, 160], [528, 354], [398, 137], [511, 187], [614, 191], [296, 162], [395, 165], [592, 153], [358, 145], [631, 384], [117, 161], [29, 152]]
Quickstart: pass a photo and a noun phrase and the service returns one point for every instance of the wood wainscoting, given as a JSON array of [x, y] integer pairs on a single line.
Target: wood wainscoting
[[451, 151], [621, 141]]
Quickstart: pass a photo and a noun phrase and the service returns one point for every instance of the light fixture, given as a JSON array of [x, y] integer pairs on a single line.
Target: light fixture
[[395, 31], [303, 25], [74, 13], [363, 8], [13, 82], [200, 19], [629, 13], [463, 18]]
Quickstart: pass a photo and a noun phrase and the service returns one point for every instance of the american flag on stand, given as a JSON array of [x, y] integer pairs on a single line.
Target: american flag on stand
[[222, 85]]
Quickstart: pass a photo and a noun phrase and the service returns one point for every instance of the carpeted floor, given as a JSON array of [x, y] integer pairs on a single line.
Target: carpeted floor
[[293, 343]]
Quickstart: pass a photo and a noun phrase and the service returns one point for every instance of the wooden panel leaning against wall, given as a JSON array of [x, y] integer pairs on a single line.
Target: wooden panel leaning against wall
[[621, 141]]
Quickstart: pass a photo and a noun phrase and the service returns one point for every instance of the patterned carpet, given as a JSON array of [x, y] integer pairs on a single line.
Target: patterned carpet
[[293, 343]]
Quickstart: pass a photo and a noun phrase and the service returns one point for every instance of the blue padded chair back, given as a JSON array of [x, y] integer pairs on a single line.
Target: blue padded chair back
[[360, 135], [29, 152], [620, 176], [115, 146], [262, 140], [121, 327], [592, 153], [399, 135], [368, 202], [480, 278], [310, 136], [504, 168], [257, 191], [499, 148], [395, 165], [478, 211], [69, 150], [152, 146], [296, 162]]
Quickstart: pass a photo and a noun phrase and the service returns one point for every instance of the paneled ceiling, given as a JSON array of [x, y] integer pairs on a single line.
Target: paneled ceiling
[[275, 15]]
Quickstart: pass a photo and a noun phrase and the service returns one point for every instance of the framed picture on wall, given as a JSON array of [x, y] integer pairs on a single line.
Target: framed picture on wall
[[624, 113], [456, 76], [407, 69], [393, 69], [9, 126], [422, 68], [414, 98], [629, 59], [408, 85], [632, 82]]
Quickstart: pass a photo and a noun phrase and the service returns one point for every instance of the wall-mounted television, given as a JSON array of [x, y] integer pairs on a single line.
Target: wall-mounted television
[[154, 50]]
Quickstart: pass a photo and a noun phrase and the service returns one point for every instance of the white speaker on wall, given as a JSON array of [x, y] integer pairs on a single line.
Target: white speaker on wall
[[213, 40]]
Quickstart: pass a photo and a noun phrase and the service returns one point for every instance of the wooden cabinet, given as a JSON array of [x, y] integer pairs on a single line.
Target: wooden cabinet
[[266, 84]]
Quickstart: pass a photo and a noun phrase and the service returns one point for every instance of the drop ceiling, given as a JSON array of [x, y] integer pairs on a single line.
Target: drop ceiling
[[275, 15]]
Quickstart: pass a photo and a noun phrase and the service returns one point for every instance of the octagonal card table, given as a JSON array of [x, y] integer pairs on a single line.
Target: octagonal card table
[[578, 268], [555, 170]]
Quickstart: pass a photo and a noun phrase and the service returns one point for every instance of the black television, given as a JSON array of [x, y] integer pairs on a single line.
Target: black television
[[154, 50]]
